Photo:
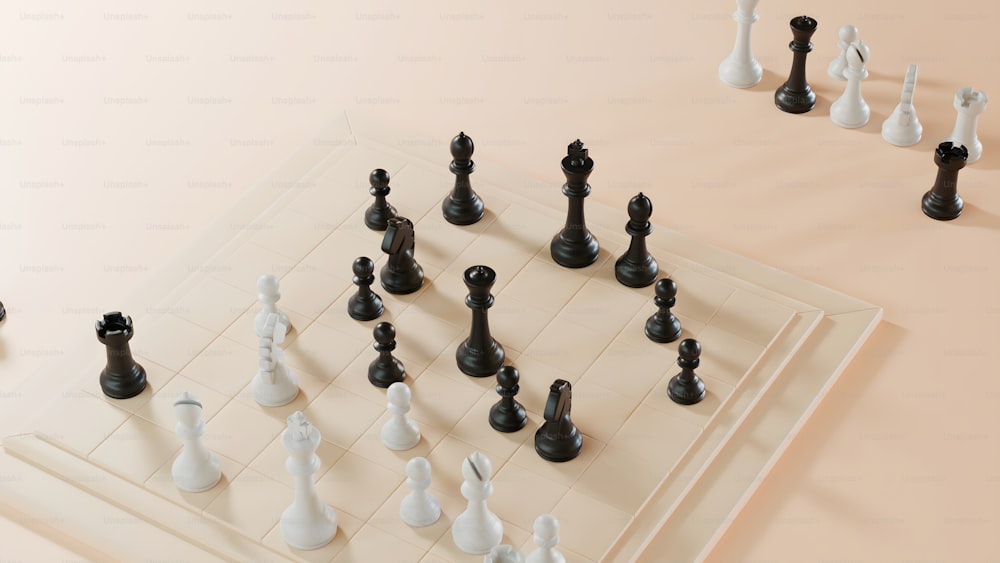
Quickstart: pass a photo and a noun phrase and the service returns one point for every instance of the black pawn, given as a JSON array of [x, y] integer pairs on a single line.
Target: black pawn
[[385, 369], [574, 246], [463, 206], [122, 377], [686, 387], [3, 312], [508, 415], [379, 213], [480, 355], [942, 202], [637, 268], [663, 326], [795, 95], [364, 305], [401, 274], [557, 439]]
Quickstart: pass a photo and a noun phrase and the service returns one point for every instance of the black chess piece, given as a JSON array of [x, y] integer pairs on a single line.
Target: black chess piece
[[385, 369], [401, 274], [378, 214], [122, 377], [364, 305], [663, 326], [480, 355], [557, 439], [686, 388], [508, 415], [942, 202], [463, 206], [795, 95], [3, 312], [637, 268], [574, 246]]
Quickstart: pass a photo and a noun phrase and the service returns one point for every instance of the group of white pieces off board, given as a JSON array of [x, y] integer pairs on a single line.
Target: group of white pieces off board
[[308, 522], [902, 128]]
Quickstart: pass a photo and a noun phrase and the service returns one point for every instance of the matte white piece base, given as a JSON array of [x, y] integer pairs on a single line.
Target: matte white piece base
[[475, 536], [849, 117], [545, 556], [276, 394], [902, 135], [419, 510], [740, 74], [306, 532], [400, 434], [504, 554], [196, 475]]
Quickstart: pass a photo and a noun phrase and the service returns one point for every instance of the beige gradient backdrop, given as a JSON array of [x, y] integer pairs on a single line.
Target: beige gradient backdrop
[[125, 127]]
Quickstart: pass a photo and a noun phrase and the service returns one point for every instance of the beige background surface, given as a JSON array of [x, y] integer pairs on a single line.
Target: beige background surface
[[129, 126]]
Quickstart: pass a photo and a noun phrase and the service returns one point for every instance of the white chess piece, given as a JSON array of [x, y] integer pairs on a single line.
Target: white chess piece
[[740, 69], [504, 554], [268, 294], [274, 385], [196, 469], [902, 128], [477, 530], [308, 523], [850, 110], [546, 538], [848, 34], [399, 432], [419, 508], [969, 104]]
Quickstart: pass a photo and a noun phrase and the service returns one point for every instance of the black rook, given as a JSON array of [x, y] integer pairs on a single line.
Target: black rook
[[122, 377]]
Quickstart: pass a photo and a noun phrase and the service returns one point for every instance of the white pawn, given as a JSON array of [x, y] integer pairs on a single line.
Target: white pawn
[[399, 432], [546, 538], [268, 294], [740, 69], [850, 110], [969, 104], [308, 523], [902, 128], [274, 385], [477, 530], [848, 34], [196, 469], [419, 508], [504, 554]]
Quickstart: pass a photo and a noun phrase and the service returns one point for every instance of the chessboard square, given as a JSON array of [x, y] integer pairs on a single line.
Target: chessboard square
[[421, 337], [515, 323], [418, 191], [347, 526], [752, 317], [444, 297], [309, 291], [245, 264], [529, 228], [698, 295], [545, 286], [520, 495], [441, 401], [213, 304], [157, 377], [225, 366], [162, 482], [323, 351], [136, 449], [102, 418], [171, 341], [271, 461], [289, 233], [357, 486], [726, 356], [371, 447], [354, 378], [599, 411], [240, 432], [655, 437], [629, 369], [571, 347], [612, 466], [603, 308], [716, 394], [440, 241], [588, 526], [160, 408], [374, 544], [341, 416], [566, 472], [337, 252], [446, 550], [387, 517], [474, 428], [252, 503]]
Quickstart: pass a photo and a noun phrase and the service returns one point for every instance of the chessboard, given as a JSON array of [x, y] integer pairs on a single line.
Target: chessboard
[[655, 481]]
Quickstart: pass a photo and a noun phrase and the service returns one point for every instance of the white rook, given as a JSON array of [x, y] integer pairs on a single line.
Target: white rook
[[740, 69], [969, 104]]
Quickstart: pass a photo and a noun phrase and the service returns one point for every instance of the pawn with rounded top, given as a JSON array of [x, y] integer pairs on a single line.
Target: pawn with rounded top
[[399, 432], [365, 305], [848, 34], [663, 326], [380, 211], [546, 538], [268, 293], [385, 369], [419, 508], [196, 469], [686, 388]]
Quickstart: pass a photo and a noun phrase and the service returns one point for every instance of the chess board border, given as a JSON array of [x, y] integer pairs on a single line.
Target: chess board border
[[678, 512]]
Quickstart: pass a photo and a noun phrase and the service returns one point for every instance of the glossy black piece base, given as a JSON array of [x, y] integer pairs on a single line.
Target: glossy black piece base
[[663, 326], [795, 95], [572, 253], [637, 267], [942, 201], [463, 211], [385, 369], [791, 101], [558, 439], [508, 415], [3, 312], [480, 355], [378, 214], [122, 377], [401, 274], [364, 305], [686, 388], [479, 362], [941, 208]]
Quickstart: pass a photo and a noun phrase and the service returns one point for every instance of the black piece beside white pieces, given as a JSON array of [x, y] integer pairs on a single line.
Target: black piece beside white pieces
[[574, 246], [401, 273], [463, 206], [942, 201], [795, 95], [686, 388], [379, 212], [663, 326], [365, 304], [508, 415], [122, 377], [385, 369], [558, 439], [637, 267], [479, 355]]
